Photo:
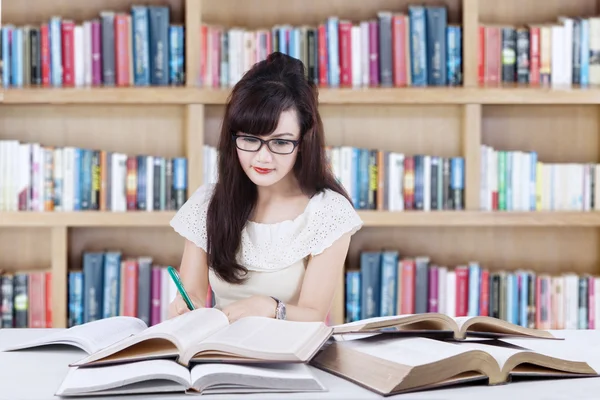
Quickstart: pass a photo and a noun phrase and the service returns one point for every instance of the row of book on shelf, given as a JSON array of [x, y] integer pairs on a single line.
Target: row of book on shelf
[[387, 283], [519, 181], [26, 299], [201, 352], [392, 49], [387, 180], [139, 48], [37, 177], [111, 284], [558, 53]]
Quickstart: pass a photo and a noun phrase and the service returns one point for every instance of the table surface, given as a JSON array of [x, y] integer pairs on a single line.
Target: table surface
[[37, 374]]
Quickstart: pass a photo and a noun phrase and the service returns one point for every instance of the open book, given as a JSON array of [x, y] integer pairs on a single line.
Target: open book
[[389, 364], [206, 335], [89, 337], [160, 376], [435, 323]]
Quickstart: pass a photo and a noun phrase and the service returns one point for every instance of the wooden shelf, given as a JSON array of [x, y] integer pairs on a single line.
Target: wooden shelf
[[101, 95], [86, 219], [370, 218], [480, 219], [409, 96]]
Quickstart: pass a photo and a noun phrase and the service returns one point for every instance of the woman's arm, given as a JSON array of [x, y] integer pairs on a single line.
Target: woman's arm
[[320, 280], [193, 272], [318, 288]]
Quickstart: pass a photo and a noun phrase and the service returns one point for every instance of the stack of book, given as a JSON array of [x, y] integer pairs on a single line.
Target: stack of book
[[202, 352]]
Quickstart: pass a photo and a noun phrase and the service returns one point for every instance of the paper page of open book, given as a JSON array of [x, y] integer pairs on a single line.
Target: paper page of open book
[[410, 351], [499, 353], [264, 335], [373, 319], [573, 349], [265, 375], [92, 336], [192, 327], [119, 375]]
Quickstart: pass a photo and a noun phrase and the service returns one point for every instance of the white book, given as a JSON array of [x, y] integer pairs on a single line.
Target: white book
[[150, 183], [205, 335], [356, 53], [406, 364], [87, 53], [78, 44], [90, 337], [162, 376]]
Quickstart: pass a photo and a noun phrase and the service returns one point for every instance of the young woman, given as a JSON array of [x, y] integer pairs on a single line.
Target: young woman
[[271, 236]]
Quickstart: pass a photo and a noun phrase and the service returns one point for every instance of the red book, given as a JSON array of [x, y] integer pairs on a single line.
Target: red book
[[345, 46], [322, 42], [203, 50], [408, 286], [481, 56], [36, 289], [484, 296], [399, 50], [534, 55], [462, 291], [493, 49], [433, 300], [48, 299], [68, 52], [131, 288], [121, 50], [45, 54]]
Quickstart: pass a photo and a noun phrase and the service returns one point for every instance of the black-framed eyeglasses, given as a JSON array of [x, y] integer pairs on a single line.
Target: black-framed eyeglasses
[[254, 144]]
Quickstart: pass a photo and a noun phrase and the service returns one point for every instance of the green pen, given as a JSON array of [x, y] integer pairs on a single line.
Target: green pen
[[180, 288]]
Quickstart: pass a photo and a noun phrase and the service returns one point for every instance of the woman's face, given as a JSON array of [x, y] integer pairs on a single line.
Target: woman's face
[[267, 166]]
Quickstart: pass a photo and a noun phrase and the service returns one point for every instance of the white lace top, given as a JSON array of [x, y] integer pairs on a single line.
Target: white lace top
[[276, 254]]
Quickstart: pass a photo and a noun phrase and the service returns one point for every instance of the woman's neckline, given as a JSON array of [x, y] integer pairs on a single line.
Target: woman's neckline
[[289, 220]]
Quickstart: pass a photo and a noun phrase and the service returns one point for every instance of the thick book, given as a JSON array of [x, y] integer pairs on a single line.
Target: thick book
[[89, 337], [163, 376], [439, 325], [390, 364], [205, 334]]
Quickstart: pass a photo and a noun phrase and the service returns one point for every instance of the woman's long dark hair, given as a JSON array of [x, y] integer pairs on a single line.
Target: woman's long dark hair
[[255, 104]]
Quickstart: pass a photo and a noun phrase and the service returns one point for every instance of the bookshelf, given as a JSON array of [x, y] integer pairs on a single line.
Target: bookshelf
[[559, 123]]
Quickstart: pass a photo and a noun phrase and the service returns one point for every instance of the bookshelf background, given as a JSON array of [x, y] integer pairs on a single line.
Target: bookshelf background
[[560, 124]]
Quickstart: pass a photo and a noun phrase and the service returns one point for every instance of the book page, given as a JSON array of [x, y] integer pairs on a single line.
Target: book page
[[192, 327], [89, 380], [289, 376], [91, 336], [574, 349], [263, 336], [500, 353], [373, 319], [410, 351]]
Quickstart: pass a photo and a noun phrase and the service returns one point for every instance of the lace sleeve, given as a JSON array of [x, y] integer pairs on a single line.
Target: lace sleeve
[[190, 219], [334, 217]]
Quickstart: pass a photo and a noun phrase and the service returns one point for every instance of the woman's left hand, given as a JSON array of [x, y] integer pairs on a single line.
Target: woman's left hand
[[256, 306]]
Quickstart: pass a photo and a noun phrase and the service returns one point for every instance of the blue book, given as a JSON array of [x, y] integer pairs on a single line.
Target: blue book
[[418, 45], [141, 45], [389, 279], [370, 271], [333, 51]]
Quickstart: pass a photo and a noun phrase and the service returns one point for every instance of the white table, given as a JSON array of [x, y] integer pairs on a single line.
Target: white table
[[36, 374]]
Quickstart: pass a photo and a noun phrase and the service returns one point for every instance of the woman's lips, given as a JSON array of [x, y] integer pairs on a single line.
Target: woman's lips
[[262, 171]]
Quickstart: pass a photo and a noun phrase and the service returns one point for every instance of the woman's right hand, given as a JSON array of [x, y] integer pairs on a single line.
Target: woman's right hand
[[178, 306]]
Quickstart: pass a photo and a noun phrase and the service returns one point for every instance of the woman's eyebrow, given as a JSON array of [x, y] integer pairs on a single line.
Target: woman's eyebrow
[[282, 134]]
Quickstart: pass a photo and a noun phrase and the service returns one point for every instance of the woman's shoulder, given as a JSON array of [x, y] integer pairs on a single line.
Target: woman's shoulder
[[330, 216], [190, 220]]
